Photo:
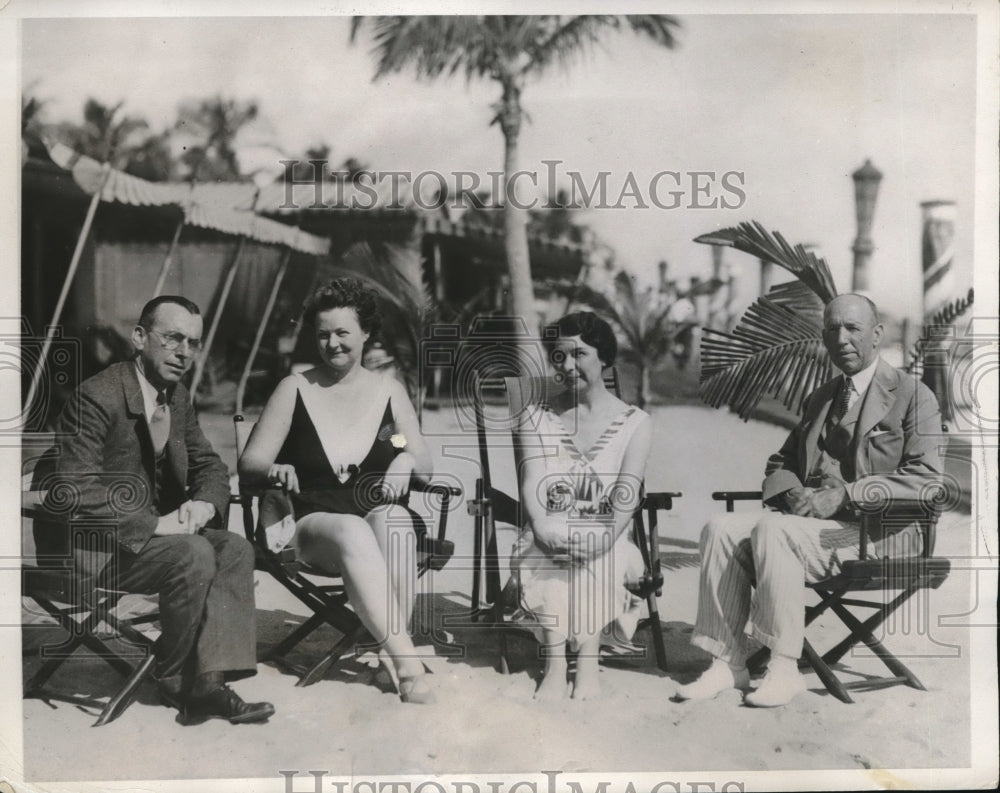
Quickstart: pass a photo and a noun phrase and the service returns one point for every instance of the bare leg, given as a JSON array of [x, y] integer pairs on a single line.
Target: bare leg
[[587, 684], [347, 543], [553, 685], [393, 530]]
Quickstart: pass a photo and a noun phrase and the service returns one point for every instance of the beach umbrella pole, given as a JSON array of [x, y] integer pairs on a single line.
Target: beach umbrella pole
[[254, 349], [227, 285], [162, 278], [74, 264]]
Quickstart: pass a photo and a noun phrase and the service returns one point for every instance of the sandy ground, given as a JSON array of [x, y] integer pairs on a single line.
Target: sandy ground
[[352, 723]]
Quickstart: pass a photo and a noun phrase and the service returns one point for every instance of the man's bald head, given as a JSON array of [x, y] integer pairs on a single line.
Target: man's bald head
[[852, 332]]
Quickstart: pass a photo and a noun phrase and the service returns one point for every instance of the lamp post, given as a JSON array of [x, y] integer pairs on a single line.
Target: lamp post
[[866, 182]]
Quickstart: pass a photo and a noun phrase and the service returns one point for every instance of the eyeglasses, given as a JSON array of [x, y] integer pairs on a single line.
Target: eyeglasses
[[171, 341]]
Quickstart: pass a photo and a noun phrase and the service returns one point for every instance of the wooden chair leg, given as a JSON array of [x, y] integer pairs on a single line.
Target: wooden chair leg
[[41, 677], [825, 674], [477, 559], [286, 644], [337, 651], [870, 625], [503, 649], [656, 631], [119, 702], [894, 664]]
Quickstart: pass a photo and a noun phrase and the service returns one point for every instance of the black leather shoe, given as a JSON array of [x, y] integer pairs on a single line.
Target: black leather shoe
[[224, 703]]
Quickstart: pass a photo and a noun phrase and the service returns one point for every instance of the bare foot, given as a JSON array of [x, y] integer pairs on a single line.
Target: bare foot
[[553, 686], [587, 684]]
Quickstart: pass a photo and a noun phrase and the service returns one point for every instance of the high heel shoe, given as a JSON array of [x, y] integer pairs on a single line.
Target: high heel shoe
[[416, 691]]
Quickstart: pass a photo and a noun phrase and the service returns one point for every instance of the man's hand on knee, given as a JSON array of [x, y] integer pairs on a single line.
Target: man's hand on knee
[[190, 518], [196, 514], [797, 501], [827, 502]]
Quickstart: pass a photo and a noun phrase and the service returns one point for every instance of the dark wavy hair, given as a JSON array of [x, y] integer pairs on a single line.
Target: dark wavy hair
[[345, 292], [148, 315], [590, 328]]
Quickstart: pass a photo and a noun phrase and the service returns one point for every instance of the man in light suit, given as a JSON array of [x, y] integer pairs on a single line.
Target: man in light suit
[[865, 436], [148, 498]]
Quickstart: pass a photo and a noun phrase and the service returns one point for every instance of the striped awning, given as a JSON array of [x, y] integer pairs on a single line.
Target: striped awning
[[226, 210]]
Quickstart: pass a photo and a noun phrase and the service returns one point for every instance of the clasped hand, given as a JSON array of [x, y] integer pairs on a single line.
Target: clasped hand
[[189, 518], [576, 541], [808, 502]]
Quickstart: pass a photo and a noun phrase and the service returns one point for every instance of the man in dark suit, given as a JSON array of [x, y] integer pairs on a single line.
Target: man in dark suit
[[864, 437], [148, 498]]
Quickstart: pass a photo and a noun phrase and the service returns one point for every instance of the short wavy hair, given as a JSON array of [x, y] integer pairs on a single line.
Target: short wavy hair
[[590, 328], [345, 292]]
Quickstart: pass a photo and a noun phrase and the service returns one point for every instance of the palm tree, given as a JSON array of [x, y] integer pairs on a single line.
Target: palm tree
[[105, 135], [508, 50], [152, 159], [642, 316], [215, 123]]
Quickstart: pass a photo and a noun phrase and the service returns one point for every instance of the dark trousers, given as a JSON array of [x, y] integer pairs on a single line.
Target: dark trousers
[[205, 586]]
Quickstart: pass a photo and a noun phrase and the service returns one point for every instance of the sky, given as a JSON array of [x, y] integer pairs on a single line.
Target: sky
[[791, 103]]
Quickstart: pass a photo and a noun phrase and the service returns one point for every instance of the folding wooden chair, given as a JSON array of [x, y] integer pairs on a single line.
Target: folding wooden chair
[[905, 575], [492, 505], [324, 594], [85, 608]]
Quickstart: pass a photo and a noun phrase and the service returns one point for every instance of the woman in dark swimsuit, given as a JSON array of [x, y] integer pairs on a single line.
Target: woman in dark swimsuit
[[340, 439]]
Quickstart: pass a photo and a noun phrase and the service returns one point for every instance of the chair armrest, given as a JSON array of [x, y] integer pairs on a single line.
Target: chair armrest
[[419, 486], [37, 512], [662, 499], [732, 496]]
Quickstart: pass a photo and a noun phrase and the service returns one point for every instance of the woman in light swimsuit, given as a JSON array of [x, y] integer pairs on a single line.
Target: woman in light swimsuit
[[584, 456]]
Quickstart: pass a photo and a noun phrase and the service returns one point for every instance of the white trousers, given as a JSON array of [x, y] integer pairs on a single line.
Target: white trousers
[[776, 554]]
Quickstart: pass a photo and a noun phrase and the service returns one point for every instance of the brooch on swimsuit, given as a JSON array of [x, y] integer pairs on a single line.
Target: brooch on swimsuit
[[345, 472]]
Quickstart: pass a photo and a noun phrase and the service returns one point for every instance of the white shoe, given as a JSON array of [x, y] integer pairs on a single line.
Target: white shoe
[[776, 689], [717, 678]]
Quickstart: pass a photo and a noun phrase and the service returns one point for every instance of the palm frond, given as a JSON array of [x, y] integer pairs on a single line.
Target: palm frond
[[407, 306], [930, 332], [660, 28], [775, 350], [800, 299], [587, 296], [754, 239], [488, 46]]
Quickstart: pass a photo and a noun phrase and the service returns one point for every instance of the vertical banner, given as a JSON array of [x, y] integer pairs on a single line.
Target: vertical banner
[[937, 253]]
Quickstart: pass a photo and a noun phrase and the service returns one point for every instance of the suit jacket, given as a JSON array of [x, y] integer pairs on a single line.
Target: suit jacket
[[105, 469], [894, 448]]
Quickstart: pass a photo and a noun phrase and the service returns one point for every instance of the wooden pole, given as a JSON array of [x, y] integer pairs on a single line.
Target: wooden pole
[[167, 261], [227, 285], [268, 308], [74, 264]]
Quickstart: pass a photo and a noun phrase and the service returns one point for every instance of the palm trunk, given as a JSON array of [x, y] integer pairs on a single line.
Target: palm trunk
[[522, 295], [643, 396]]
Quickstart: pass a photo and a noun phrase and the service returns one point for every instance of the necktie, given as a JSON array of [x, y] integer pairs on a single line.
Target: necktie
[[843, 402], [159, 424]]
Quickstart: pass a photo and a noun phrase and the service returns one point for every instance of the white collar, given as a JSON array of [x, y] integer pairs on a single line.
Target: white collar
[[149, 392], [861, 380]]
